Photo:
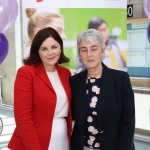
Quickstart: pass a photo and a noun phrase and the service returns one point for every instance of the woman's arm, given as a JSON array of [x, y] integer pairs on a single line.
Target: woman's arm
[[128, 116], [23, 104]]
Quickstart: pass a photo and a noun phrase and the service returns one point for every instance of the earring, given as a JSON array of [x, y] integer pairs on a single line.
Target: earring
[[60, 50]]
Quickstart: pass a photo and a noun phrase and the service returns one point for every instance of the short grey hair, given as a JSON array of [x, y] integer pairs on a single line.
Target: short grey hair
[[91, 35]]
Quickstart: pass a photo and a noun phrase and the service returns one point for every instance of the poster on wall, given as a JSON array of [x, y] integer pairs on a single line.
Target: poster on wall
[[138, 49], [70, 17]]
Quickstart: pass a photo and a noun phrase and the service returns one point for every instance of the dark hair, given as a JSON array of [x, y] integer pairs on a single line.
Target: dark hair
[[95, 23], [39, 38]]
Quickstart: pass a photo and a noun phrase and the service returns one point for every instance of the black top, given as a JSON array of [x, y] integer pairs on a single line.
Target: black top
[[91, 136], [116, 113]]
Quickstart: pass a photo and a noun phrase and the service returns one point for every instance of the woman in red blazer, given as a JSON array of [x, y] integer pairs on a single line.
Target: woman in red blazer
[[42, 97]]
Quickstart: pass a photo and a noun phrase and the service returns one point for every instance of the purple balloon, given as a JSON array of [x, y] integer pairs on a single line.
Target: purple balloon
[[146, 5], [8, 14], [3, 47]]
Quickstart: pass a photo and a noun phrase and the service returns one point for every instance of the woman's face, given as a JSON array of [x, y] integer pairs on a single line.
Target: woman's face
[[58, 25], [91, 54], [49, 53], [104, 30]]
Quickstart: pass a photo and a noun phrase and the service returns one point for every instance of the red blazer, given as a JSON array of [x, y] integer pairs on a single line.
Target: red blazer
[[34, 107]]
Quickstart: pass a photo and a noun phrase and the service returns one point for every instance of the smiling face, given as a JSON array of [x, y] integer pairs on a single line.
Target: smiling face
[[91, 54], [58, 25], [49, 53]]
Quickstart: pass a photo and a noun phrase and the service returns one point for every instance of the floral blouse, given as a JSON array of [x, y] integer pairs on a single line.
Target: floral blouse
[[91, 136]]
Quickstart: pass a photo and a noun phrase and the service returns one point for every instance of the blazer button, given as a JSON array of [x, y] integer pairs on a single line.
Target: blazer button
[[101, 132]]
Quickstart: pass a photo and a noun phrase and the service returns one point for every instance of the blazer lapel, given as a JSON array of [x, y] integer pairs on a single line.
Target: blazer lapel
[[41, 72], [64, 81], [102, 96], [103, 93], [82, 98]]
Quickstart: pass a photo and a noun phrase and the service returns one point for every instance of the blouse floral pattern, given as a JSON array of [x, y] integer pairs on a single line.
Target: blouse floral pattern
[[91, 136]]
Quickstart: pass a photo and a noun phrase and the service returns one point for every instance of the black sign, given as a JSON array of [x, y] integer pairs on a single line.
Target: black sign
[[129, 11]]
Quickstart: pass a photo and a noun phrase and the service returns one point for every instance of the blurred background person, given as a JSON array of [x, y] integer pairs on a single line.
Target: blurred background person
[[40, 20], [113, 57]]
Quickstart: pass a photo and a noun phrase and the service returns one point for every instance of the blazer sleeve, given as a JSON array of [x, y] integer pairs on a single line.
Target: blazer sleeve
[[128, 116], [23, 105]]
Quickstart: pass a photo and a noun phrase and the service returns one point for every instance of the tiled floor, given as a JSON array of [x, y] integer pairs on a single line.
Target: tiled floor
[[139, 145], [9, 125]]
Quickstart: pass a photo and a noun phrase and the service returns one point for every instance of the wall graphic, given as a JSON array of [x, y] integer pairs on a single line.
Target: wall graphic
[[77, 15]]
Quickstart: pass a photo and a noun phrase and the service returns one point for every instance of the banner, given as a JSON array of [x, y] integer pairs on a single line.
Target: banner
[[77, 15]]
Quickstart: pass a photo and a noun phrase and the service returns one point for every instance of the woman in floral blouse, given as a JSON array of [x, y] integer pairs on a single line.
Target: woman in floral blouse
[[102, 100]]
